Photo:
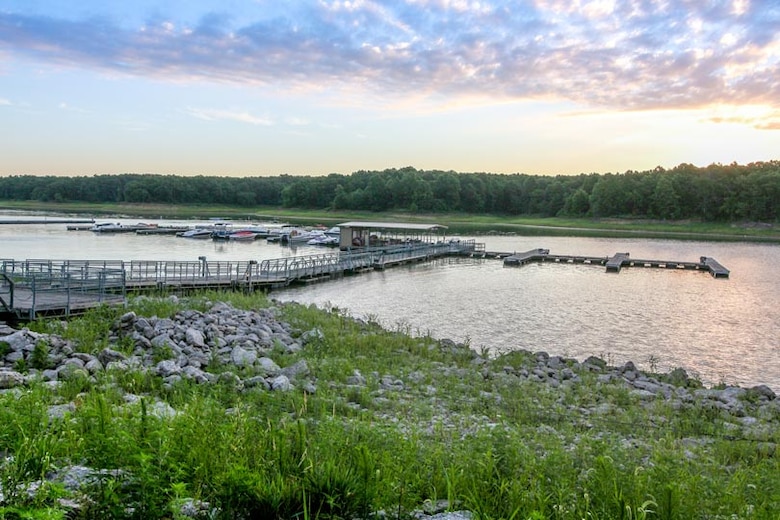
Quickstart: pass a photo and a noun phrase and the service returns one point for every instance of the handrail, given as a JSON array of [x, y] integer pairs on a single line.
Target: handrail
[[8, 305]]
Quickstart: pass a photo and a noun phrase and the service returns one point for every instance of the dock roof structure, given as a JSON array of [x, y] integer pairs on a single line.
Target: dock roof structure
[[392, 225], [364, 233]]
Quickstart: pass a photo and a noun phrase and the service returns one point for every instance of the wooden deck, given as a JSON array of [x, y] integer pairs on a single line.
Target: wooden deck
[[615, 262]]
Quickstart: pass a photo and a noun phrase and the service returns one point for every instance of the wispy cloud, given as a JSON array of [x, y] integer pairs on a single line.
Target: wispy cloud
[[761, 120], [209, 114], [5, 102], [70, 108], [601, 53]]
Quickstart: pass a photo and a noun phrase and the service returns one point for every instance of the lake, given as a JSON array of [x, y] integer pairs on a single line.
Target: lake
[[720, 330]]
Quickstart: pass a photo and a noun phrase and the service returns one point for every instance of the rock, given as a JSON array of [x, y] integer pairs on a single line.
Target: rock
[[257, 381], [73, 478], [196, 374], [161, 340], [108, 355], [762, 391], [60, 410], [195, 338], [241, 357], [230, 379], [679, 377], [14, 356], [49, 375], [73, 368], [167, 368], [127, 318], [281, 384], [94, 366], [356, 379], [297, 370], [312, 335], [10, 379], [267, 367], [162, 410], [5, 329], [191, 508], [390, 382], [18, 340]]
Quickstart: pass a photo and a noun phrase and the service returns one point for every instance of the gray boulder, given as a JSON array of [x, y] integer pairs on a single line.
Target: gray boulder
[[10, 379]]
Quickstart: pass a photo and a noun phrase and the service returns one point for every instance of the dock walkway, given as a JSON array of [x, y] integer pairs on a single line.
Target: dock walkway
[[30, 288], [613, 263]]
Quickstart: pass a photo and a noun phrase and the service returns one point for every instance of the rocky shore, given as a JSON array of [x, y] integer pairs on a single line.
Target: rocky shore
[[252, 349]]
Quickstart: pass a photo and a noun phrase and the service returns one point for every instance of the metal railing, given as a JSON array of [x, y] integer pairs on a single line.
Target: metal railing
[[35, 283], [36, 292]]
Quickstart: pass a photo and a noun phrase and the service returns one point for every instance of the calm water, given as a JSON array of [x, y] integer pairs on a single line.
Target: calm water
[[720, 330]]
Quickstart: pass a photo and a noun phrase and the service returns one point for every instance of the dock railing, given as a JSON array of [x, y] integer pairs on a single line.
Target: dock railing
[[165, 272], [34, 293], [6, 292]]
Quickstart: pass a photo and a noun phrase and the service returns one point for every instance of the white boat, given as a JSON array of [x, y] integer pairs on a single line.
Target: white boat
[[335, 231], [296, 236], [111, 227], [324, 240], [196, 233]]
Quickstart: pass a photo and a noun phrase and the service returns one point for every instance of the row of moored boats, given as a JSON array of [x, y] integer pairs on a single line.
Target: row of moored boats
[[227, 231]]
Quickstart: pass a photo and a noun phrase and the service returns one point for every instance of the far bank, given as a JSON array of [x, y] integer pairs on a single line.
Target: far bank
[[457, 223]]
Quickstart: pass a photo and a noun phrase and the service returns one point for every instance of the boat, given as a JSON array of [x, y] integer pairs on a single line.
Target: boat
[[297, 236], [335, 231], [111, 227], [200, 233], [162, 230], [324, 240], [242, 234]]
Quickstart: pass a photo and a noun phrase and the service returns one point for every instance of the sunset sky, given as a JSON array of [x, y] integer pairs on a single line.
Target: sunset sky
[[255, 87]]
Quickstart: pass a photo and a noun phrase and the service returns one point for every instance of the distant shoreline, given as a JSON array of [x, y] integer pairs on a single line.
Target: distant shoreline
[[457, 223]]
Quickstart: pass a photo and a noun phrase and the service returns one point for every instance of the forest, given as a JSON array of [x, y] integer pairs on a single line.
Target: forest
[[715, 193]]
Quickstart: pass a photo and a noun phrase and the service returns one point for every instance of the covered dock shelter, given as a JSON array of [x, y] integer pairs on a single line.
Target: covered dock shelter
[[356, 234]]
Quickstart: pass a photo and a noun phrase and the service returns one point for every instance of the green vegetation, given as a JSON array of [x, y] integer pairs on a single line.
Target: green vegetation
[[458, 223], [431, 422], [717, 193]]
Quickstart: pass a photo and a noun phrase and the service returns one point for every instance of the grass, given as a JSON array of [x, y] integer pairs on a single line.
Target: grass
[[458, 428], [464, 223]]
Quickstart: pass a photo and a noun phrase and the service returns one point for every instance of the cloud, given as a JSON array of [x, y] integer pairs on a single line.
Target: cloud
[[761, 120], [598, 53], [229, 115], [5, 102], [69, 108]]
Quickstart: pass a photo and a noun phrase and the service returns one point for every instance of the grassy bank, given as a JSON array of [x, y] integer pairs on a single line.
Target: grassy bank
[[458, 223], [396, 424]]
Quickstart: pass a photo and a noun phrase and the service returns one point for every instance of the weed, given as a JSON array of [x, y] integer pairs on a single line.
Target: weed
[[39, 357]]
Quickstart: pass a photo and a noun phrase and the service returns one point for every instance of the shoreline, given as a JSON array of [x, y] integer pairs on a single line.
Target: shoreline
[[469, 224], [344, 373]]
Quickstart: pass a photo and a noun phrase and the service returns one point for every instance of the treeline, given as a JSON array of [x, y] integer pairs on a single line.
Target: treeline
[[713, 193]]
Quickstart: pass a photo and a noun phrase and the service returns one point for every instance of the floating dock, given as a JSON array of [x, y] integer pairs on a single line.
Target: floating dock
[[612, 263], [32, 288]]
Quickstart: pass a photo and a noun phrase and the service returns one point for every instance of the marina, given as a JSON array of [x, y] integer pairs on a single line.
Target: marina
[[33, 288], [571, 309]]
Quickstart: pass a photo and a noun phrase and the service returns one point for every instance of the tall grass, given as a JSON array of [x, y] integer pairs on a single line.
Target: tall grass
[[457, 430]]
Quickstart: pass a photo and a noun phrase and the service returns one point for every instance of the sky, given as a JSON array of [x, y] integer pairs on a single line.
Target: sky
[[256, 87]]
